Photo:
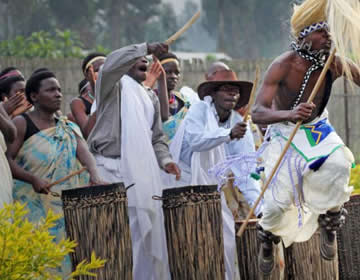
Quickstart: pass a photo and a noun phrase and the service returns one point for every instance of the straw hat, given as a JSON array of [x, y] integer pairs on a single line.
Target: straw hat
[[226, 77]]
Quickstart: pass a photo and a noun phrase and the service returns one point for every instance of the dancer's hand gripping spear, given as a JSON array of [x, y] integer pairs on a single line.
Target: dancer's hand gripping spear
[[311, 98]]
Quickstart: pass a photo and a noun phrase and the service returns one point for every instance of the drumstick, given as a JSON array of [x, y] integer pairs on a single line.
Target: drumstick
[[252, 95], [66, 177], [187, 25], [311, 98]]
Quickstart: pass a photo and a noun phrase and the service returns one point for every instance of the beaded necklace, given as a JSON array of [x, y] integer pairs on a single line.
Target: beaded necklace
[[317, 62]]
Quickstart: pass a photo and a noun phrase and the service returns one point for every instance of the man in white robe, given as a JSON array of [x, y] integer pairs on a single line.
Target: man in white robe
[[211, 131], [129, 146]]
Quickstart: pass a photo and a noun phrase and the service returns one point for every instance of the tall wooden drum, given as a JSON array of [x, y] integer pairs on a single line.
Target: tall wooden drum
[[248, 247], [194, 232], [96, 218], [349, 242], [303, 261]]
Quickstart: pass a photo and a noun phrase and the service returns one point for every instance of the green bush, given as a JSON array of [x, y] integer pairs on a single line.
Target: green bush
[[44, 45], [27, 250]]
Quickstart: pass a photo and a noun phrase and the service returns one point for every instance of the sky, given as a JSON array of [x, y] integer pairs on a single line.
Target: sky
[[179, 4]]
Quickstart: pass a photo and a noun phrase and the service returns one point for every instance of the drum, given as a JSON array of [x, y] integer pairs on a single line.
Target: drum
[[303, 261], [194, 232], [96, 218], [349, 241], [248, 247]]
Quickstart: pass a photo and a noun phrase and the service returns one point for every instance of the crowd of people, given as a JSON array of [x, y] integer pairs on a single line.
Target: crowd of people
[[132, 122]]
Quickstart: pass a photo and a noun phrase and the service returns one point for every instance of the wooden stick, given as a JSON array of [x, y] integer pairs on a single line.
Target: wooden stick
[[311, 98], [187, 25], [230, 186], [252, 95], [67, 177]]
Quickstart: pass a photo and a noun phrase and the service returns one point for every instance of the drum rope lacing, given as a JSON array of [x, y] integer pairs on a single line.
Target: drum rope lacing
[[192, 198], [85, 201]]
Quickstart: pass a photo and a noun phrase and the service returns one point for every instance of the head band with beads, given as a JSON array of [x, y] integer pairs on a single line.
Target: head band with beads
[[167, 60], [313, 27]]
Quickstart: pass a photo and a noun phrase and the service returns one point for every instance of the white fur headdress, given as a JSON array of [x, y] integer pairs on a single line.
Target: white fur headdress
[[343, 20]]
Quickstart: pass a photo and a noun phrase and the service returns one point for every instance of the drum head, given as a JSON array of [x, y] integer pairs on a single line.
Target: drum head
[[93, 190]]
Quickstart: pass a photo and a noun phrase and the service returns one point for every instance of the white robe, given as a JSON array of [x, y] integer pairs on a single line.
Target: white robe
[[138, 165]]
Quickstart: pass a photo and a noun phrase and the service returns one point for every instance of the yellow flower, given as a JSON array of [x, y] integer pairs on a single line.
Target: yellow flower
[[27, 250]]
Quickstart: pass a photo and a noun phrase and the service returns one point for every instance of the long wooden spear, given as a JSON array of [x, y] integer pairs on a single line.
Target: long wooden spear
[[311, 98], [252, 95]]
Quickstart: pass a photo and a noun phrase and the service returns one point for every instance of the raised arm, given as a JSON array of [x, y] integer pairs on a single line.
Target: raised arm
[[78, 111], [6, 126]]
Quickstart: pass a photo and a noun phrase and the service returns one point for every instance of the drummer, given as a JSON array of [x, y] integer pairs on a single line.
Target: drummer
[[47, 149], [213, 130]]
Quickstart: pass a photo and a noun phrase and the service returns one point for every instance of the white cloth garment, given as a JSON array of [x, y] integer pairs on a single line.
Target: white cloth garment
[[138, 165], [190, 94], [93, 107], [200, 132], [6, 177], [324, 189]]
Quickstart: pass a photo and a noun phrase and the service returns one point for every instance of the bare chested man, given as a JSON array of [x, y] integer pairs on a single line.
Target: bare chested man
[[283, 82], [315, 172]]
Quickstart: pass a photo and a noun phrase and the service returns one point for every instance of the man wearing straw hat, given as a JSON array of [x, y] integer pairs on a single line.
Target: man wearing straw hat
[[129, 146], [211, 131], [311, 184]]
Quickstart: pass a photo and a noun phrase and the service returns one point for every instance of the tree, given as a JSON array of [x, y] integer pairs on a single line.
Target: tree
[[127, 20], [23, 17], [79, 15], [250, 28], [163, 25]]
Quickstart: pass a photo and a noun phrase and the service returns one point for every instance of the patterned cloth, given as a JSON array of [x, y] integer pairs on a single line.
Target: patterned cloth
[[51, 155], [312, 141], [172, 124], [312, 178]]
